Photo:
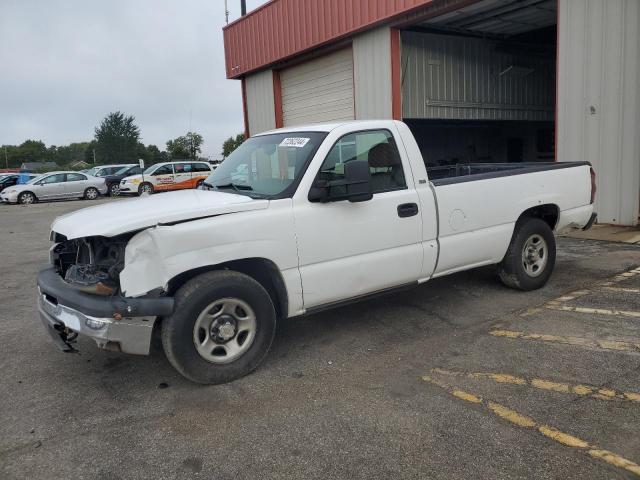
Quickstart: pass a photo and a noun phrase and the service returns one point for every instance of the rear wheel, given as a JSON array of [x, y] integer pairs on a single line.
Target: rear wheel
[[91, 193], [222, 328], [531, 256], [26, 198], [145, 188], [199, 183]]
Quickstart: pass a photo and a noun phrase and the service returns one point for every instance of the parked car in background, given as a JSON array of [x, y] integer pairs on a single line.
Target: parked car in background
[[54, 186], [105, 170], [113, 180], [10, 179], [167, 176]]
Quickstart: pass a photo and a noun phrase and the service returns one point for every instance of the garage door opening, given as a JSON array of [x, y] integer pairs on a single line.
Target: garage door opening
[[479, 84]]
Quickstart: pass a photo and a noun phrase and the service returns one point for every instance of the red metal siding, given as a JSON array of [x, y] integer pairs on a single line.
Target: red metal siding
[[282, 28]]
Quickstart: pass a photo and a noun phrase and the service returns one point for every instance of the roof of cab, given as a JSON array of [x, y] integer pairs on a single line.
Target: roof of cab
[[322, 127]]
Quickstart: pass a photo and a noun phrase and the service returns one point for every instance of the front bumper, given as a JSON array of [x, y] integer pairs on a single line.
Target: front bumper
[[9, 197], [65, 311]]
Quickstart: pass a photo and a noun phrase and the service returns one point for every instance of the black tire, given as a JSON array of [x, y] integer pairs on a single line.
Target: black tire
[[199, 184], [114, 190], [517, 272], [145, 187], [192, 299], [27, 198], [91, 193]]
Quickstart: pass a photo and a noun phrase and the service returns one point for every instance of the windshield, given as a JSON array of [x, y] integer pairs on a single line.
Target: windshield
[[122, 171], [150, 169], [92, 171], [266, 166]]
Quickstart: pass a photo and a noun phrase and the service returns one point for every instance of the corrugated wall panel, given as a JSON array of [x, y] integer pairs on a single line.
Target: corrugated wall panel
[[282, 28], [260, 102], [448, 77], [599, 99], [319, 90], [372, 74]]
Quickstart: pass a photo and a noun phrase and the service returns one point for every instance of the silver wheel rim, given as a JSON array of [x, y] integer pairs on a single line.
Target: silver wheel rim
[[92, 193], [146, 189], [27, 199], [115, 190], [534, 255], [225, 330]]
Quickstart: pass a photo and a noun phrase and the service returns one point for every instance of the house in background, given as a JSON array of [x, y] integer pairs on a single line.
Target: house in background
[[38, 166]]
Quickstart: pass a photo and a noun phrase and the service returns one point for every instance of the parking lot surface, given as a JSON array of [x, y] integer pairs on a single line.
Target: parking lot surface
[[458, 378]]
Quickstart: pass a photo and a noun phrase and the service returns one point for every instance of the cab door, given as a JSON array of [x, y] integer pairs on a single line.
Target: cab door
[[350, 249]]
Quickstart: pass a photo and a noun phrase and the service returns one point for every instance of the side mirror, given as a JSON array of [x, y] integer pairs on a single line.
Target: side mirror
[[356, 186]]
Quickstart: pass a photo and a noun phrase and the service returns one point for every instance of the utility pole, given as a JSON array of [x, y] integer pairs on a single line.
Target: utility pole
[[94, 156], [226, 11], [6, 159]]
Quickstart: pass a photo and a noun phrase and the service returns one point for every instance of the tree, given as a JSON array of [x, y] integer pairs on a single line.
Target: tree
[[117, 138], [231, 144], [187, 146]]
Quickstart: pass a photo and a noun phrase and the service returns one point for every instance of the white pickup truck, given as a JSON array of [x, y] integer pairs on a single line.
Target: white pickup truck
[[294, 221]]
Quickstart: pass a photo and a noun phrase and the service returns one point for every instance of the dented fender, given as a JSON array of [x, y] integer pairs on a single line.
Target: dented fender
[[155, 256]]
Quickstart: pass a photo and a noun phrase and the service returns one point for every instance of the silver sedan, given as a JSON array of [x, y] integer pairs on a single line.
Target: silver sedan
[[55, 186]]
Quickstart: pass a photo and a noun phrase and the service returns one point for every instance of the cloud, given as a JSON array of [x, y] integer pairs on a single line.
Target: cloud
[[65, 64]]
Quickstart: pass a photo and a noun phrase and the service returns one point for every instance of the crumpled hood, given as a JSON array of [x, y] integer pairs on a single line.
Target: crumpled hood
[[124, 216]]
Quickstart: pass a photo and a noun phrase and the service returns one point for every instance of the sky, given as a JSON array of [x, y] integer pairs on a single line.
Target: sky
[[65, 64]]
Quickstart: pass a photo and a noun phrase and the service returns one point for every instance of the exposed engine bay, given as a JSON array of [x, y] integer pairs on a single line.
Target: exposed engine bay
[[90, 264]]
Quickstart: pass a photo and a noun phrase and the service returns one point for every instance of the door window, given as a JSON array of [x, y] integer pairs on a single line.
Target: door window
[[201, 167], [378, 148], [75, 177], [182, 167], [58, 178], [164, 170]]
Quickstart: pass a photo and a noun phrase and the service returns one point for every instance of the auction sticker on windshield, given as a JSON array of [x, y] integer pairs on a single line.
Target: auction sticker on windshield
[[297, 142]]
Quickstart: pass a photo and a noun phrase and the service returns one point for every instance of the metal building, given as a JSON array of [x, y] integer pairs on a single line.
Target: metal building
[[476, 80]]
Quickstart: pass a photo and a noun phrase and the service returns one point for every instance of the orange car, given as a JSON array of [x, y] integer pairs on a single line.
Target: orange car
[[163, 177]]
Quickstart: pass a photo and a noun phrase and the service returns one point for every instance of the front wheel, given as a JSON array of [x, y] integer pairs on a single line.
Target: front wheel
[[91, 193], [145, 188], [221, 329], [114, 190], [531, 256], [26, 198]]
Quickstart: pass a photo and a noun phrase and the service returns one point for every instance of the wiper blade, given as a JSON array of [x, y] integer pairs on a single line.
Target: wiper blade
[[235, 186]]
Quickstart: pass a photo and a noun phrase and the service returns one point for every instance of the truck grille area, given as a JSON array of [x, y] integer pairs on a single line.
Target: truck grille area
[[91, 264]]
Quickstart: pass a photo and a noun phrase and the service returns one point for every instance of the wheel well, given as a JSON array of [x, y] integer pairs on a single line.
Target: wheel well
[[549, 213], [263, 271], [27, 191]]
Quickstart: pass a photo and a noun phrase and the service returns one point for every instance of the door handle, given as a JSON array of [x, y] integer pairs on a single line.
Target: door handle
[[407, 210]]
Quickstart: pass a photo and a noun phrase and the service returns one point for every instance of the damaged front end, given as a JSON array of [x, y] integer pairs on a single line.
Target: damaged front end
[[91, 265], [80, 293]]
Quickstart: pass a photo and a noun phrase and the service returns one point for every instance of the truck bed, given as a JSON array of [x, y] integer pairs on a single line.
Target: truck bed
[[448, 174]]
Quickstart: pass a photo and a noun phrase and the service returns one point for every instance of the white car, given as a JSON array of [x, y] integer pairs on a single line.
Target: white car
[[106, 170], [167, 176], [317, 216], [55, 186]]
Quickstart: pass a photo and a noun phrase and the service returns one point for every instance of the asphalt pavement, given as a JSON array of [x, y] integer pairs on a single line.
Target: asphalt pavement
[[458, 378]]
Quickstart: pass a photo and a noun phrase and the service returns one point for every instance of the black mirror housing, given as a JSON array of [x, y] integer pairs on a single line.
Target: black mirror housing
[[356, 186]]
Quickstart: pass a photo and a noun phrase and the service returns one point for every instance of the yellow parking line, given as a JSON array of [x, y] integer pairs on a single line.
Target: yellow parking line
[[579, 389], [593, 311], [579, 341], [552, 433]]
